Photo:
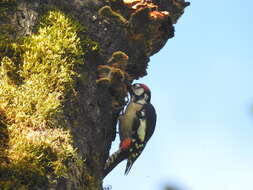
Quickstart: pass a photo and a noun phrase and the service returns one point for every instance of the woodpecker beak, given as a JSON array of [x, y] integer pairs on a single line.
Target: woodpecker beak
[[130, 90]]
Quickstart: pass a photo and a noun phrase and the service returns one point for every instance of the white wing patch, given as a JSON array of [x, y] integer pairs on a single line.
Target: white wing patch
[[142, 130]]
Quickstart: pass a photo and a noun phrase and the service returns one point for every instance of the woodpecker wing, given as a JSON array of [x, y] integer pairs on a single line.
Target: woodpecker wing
[[133, 156], [150, 115], [131, 159], [143, 129], [144, 124]]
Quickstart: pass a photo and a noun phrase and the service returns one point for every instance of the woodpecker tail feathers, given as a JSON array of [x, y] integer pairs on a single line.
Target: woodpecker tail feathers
[[128, 166], [135, 152]]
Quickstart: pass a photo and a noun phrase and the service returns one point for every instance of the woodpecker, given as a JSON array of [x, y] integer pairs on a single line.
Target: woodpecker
[[136, 126]]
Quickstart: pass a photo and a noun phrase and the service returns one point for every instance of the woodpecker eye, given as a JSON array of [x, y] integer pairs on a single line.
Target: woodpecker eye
[[136, 86]]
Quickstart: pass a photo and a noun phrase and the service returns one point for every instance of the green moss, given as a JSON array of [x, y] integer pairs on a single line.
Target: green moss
[[3, 141], [32, 92], [20, 177]]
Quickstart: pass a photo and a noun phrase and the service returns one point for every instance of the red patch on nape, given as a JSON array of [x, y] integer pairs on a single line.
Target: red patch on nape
[[126, 143], [145, 87]]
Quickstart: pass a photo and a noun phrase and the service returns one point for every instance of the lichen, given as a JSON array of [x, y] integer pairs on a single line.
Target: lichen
[[38, 144]]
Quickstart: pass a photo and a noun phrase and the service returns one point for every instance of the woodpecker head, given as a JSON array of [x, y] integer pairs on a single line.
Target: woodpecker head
[[140, 93]]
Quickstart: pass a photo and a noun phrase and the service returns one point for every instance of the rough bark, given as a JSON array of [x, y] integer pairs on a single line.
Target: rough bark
[[127, 34]]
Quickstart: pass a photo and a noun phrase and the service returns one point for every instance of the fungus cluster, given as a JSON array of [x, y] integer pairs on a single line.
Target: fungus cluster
[[145, 27], [139, 4], [113, 75]]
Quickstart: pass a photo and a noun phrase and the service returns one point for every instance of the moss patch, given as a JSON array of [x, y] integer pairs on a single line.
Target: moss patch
[[32, 92]]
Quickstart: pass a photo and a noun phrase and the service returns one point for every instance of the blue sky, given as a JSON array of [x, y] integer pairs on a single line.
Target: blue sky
[[201, 84]]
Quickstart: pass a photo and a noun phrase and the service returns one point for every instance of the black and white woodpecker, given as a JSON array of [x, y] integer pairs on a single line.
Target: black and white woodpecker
[[136, 126]]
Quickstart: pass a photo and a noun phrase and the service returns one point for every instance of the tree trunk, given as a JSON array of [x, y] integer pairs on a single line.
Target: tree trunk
[[65, 67]]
